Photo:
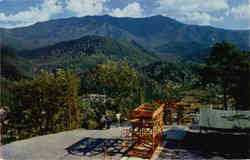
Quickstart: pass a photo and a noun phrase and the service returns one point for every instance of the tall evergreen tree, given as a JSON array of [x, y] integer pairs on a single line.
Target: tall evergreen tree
[[229, 68]]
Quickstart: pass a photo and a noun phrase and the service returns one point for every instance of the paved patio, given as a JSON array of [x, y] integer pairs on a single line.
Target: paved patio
[[181, 143]]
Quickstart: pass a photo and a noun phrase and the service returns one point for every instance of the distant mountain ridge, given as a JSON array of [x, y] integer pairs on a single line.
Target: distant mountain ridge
[[156, 32]]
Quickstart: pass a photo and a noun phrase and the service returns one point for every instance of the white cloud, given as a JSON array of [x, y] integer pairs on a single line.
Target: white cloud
[[241, 12], [200, 18], [191, 11], [33, 14], [193, 5], [15, 25], [86, 7], [131, 10]]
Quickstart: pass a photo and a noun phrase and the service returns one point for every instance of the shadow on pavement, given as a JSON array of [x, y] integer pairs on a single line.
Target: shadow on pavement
[[95, 147], [208, 145]]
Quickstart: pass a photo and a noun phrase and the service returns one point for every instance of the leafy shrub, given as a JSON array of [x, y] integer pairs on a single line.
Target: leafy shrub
[[92, 124]]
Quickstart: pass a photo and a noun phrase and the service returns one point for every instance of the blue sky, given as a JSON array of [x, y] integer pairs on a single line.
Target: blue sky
[[228, 14]]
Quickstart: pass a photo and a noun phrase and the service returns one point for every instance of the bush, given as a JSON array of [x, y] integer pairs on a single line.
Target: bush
[[92, 124]]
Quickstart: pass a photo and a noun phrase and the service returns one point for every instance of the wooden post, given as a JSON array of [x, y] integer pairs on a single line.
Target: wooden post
[[105, 152]]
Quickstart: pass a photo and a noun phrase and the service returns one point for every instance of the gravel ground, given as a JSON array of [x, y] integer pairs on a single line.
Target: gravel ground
[[84, 144]]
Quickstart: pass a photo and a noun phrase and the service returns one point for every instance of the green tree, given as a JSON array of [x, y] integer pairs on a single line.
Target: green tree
[[240, 88], [119, 80], [46, 104], [227, 67]]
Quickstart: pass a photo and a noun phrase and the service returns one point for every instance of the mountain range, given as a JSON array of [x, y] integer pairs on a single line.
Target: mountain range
[[80, 43], [160, 33]]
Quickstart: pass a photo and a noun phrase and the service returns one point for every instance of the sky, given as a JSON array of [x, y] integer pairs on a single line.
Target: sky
[[227, 14]]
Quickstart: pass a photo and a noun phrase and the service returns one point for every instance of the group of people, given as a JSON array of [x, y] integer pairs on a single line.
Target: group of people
[[106, 120]]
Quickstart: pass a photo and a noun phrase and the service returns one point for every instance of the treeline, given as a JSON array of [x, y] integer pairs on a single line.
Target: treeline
[[54, 102], [46, 104]]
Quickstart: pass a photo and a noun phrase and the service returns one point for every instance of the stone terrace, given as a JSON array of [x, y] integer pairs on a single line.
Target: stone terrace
[[84, 144]]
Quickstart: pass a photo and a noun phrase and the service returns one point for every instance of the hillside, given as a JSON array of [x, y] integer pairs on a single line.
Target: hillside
[[181, 48], [151, 32], [198, 56], [172, 71], [14, 67], [89, 51]]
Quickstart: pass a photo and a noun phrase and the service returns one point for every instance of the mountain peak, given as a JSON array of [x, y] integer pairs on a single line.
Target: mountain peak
[[158, 15]]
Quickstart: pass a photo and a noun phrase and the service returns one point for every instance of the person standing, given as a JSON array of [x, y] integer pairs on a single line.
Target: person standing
[[180, 110], [108, 121], [103, 121], [118, 117]]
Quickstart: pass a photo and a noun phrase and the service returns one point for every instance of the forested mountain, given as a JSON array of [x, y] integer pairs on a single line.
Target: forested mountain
[[158, 32], [198, 56], [14, 67], [89, 51], [181, 48]]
